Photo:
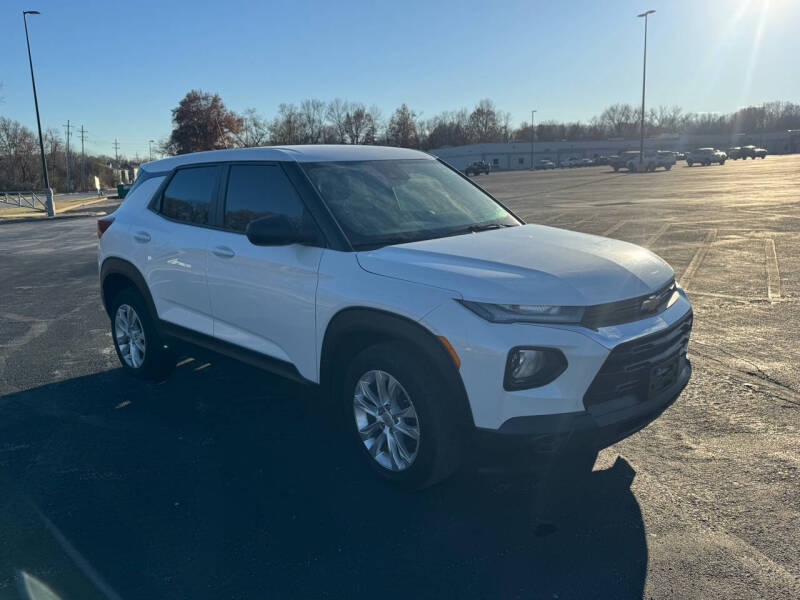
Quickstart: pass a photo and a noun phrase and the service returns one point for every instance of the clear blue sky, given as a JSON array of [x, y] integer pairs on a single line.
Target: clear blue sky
[[119, 67]]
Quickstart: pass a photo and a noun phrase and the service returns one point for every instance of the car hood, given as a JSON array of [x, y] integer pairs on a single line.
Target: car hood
[[525, 265]]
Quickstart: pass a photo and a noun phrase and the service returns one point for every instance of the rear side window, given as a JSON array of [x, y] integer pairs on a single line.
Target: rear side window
[[256, 191], [189, 195]]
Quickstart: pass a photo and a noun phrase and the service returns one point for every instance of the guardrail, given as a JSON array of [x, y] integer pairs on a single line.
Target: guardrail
[[35, 200]]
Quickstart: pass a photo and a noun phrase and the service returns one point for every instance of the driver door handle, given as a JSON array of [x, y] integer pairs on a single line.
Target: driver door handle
[[223, 252]]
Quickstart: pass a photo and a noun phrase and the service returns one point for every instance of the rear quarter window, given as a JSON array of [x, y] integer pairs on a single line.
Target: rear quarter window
[[189, 195]]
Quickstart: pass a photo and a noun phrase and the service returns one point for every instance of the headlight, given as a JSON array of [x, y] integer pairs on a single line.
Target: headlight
[[532, 367], [525, 313]]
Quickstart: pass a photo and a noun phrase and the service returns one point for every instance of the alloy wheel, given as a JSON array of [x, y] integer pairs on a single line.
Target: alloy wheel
[[130, 336], [386, 420]]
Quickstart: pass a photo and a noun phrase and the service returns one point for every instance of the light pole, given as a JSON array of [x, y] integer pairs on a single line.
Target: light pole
[[644, 74], [533, 138], [49, 204], [150, 146]]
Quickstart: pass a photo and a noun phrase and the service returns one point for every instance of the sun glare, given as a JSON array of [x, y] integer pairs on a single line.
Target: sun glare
[[751, 65]]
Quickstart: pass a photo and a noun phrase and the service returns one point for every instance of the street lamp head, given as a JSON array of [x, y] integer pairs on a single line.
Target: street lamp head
[[31, 12], [644, 14]]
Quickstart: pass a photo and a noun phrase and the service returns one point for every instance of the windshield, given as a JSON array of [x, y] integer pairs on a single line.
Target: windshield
[[386, 202]]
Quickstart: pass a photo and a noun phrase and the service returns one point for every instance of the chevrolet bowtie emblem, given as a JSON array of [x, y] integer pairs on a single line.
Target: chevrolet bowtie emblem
[[650, 304]]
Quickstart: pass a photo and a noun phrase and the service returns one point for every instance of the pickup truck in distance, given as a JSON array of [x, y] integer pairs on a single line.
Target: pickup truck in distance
[[752, 152], [705, 156], [478, 167], [630, 160]]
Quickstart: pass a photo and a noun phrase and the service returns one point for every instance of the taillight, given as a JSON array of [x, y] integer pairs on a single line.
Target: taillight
[[103, 223]]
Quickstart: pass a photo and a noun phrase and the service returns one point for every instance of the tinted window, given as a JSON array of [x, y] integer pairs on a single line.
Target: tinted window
[[256, 191], [188, 196]]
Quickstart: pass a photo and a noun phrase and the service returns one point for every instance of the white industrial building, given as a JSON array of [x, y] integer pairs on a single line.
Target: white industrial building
[[517, 155]]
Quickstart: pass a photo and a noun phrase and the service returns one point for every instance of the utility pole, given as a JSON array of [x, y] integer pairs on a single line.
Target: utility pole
[[69, 181], [83, 161], [644, 73], [116, 157], [533, 138]]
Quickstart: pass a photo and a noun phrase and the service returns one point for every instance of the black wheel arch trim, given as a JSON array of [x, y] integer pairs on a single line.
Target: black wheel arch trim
[[119, 266], [391, 326]]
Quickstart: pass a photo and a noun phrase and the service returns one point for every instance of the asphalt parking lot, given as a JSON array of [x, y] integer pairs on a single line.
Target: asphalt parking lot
[[225, 482]]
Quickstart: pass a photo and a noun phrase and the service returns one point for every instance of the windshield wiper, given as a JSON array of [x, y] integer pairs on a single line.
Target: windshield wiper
[[487, 227]]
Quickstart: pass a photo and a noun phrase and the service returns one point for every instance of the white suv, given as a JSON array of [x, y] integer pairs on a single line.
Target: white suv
[[431, 313]]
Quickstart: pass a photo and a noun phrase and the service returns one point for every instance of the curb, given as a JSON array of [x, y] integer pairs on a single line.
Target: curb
[[33, 217]]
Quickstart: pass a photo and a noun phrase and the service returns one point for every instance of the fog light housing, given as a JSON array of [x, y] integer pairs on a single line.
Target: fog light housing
[[529, 367]]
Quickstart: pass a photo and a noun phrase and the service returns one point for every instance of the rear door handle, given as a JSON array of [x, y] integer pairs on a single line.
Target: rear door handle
[[141, 237], [223, 252]]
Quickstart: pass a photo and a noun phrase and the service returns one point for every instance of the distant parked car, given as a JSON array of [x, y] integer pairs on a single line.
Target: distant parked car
[[680, 156], [569, 162], [601, 160], [587, 162], [665, 158], [706, 156], [544, 165], [650, 162], [478, 167], [622, 161], [735, 153], [752, 152]]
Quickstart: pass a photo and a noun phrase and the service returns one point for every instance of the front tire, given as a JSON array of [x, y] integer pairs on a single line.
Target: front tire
[[139, 345], [401, 417]]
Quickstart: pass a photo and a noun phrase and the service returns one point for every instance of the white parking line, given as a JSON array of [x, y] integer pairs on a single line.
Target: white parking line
[[657, 234], [773, 275], [613, 228], [698, 257]]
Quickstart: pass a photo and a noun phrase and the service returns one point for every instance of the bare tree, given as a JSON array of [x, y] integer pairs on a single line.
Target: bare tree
[[255, 130], [336, 114], [312, 116], [483, 122], [402, 128], [18, 156], [618, 118], [359, 125]]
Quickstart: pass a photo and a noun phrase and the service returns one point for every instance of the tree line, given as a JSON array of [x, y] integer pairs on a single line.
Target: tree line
[[21, 167], [201, 121]]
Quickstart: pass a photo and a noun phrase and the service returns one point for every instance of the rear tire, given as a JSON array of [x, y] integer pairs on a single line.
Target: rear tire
[[389, 393], [140, 347]]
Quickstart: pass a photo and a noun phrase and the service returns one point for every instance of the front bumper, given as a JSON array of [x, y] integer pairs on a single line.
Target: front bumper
[[581, 390], [594, 428]]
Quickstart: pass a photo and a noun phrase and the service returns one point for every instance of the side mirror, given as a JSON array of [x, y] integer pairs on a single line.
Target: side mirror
[[278, 230]]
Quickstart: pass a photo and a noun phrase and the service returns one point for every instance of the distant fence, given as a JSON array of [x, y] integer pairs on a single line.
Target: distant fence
[[35, 200]]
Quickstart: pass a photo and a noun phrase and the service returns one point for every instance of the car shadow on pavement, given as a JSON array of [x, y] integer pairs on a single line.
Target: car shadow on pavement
[[225, 482]]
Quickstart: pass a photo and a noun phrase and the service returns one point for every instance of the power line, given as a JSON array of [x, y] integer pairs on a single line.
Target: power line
[[83, 160]]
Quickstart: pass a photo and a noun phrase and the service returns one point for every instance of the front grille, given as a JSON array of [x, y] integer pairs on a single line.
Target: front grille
[[625, 311], [627, 369]]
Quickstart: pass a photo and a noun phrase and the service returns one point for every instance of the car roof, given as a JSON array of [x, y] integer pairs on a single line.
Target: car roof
[[308, 153]]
